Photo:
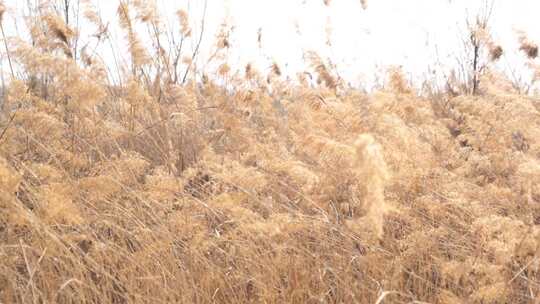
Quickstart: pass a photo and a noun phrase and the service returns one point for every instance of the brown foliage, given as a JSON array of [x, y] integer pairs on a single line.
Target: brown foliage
[[262, 192]]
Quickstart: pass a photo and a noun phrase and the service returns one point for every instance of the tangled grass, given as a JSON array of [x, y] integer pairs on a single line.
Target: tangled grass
[[269, 192]]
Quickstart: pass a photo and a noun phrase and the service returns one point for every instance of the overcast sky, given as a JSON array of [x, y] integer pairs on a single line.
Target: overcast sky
[[410, 33]]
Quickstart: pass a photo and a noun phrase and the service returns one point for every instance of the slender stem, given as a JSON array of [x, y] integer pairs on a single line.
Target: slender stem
[[8, 124], [198, 43], [7, 51]]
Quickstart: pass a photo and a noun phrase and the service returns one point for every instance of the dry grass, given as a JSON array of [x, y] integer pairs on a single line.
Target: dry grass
[[269, 192]]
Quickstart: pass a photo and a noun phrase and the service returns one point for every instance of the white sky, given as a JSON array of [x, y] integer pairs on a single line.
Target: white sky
[[389, 32]]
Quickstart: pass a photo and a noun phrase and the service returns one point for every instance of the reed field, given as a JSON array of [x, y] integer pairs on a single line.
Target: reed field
[[153, 181]]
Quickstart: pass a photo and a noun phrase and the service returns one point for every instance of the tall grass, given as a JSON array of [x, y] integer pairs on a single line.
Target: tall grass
[[167, 187]]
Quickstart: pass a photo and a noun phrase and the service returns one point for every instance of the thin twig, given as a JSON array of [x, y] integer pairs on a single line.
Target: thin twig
[[8, 125], [523, 269], [31, 279], [7, 51], [196, 51], [29, 270]]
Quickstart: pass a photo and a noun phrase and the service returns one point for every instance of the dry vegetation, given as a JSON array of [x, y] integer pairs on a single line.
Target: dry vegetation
[[160, 190]]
